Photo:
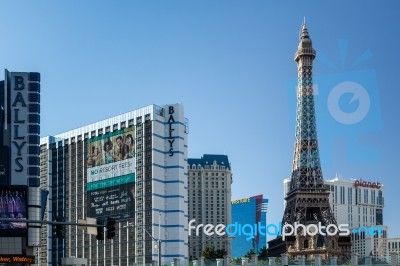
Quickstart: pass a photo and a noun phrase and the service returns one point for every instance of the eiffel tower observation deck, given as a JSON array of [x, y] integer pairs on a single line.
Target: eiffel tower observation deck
[[308, 198]]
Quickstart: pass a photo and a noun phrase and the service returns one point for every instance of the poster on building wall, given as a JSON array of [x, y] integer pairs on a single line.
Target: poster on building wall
[[114, 201], [13, 206], [111, 174]]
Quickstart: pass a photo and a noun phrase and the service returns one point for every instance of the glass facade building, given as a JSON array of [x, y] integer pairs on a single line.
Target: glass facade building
[[247, 215]]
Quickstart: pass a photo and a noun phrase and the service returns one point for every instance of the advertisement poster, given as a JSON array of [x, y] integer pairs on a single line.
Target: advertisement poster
[[13, 206], [111, 175]]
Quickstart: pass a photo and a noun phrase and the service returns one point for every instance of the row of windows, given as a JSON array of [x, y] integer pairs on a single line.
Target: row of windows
[[394, 245], [212, 167], [368, 198], [100, 131], [107, 129], [213, 185], [212, 174]]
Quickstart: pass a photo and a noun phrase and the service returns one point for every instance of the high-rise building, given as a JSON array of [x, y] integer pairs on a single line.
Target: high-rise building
[[131, 168], [19, 165], [210, 179], [252, 213], [359, 204], [307, 198], [393, 245]]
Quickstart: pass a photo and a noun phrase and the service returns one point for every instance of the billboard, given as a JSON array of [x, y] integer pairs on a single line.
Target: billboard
[[13, 200], [111, 174]]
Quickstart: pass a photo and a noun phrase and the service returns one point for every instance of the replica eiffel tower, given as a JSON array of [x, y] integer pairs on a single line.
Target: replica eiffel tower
[[307, 201]]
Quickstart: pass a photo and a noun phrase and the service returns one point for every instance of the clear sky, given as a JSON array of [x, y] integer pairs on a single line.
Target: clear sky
[[230, 63]]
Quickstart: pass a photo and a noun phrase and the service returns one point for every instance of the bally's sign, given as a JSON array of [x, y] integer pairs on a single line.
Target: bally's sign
[[171, 139], [19, 125]]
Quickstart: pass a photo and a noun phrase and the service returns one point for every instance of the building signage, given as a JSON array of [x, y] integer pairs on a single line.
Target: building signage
[[111, 170], [116, 202], [20, 259], [19, 110], [171, 139], [361, 183], [246, 200]]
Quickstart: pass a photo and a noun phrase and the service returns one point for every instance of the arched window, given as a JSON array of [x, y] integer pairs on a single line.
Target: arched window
[[306, 243]]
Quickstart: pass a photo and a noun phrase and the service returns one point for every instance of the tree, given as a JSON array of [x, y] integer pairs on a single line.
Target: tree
[[263, 254], [249, 253], [210, 253]]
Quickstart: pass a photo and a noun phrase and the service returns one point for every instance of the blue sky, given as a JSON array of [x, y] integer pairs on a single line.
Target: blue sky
[[231, 64]]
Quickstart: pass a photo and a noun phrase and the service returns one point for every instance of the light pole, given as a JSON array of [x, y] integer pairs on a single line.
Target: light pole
[[159, 239]]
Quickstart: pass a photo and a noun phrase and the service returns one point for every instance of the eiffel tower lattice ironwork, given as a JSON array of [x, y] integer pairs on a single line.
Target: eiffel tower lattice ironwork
[[307, 201]]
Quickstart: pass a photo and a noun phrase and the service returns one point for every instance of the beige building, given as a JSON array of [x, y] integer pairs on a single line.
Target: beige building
[[210, 180]]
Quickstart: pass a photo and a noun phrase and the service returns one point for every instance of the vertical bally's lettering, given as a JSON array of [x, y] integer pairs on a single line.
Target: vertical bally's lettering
[[170, 121], [18, 107]]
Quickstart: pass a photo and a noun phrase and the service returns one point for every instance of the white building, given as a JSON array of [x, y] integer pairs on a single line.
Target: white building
[[359, 204], [210, 180], [393, 245], [131, 167]]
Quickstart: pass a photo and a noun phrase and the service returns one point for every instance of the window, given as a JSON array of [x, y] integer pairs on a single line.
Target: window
[[34, 108], [33, 170], [34, 129], [34, 139], [33, 150], [33, 160], [34, 118], [34, 97], [34, 87]]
